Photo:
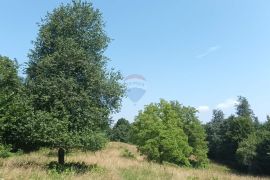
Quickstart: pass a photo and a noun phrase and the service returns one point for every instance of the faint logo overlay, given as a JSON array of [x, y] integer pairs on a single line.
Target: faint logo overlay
[[136, 87]]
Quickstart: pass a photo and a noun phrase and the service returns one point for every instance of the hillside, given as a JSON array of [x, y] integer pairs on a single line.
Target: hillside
[[114, 162]]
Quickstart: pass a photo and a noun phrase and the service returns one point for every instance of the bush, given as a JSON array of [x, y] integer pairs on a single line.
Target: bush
[[94, 142], [5, 151], [246, 152], [253, 154], [263, 155], [167, 131], [78, 168], [127, 154]]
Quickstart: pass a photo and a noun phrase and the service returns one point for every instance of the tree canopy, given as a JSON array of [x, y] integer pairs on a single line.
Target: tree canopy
[[240, 141], [168, 131], [121, 131], [10, 86], [68, 81], [71, 93]]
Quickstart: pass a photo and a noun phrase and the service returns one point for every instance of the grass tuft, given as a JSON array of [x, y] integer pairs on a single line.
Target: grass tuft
[[77, 168], [127, 154], [5, 151]]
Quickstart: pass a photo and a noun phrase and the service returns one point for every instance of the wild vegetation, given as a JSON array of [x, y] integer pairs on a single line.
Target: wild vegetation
[[108, 163], [240, 140], [168, 131], [68, 94], [121, 131], [64, 103]]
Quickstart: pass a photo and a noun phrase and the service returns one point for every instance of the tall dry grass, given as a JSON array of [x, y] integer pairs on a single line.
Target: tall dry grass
[[112, 164]]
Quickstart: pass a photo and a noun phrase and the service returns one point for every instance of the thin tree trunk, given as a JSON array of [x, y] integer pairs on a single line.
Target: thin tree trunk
[[61, 156]]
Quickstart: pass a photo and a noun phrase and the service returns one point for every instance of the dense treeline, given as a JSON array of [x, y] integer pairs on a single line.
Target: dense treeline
[[240, 140], [168, 131]]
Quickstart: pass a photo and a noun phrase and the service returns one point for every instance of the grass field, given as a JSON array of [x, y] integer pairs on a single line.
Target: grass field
[[117, 161]]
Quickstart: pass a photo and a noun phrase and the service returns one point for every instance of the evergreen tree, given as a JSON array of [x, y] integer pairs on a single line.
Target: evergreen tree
[[243, 107], [214, 135], [121, 131], [226, 135], [266, 125]]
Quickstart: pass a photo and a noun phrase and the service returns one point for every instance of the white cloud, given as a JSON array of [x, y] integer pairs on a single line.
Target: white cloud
[[208, 51], [203, 109], [229, 103]]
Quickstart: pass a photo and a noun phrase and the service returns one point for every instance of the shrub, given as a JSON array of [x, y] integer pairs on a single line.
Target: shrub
[[167, 131], [127, 154], [5, 151], [78, 168]]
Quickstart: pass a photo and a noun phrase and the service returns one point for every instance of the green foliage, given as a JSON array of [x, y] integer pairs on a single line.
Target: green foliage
[[166, 132], [196, 134], [266, 125], [254, 152], [127, 154], [240, 139], [225, 135], [121, 131], [14, 109], [263, 154], [214, 135], [78, 168], [236, 130], [5, 151], [70, 91], [246, 152], [10, 86], [10, 83], [91, 140], [243, 107]]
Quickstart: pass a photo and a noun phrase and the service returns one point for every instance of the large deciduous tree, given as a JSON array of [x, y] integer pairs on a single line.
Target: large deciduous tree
[[71, 89]]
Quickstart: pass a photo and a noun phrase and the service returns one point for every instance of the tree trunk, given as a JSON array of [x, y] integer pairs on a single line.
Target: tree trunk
[[61, 156]]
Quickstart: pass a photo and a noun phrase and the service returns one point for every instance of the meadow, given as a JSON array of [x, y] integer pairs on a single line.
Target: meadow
[[116, 161]]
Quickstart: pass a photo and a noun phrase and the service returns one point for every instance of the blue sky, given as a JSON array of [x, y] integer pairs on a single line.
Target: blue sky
[[202, 53]]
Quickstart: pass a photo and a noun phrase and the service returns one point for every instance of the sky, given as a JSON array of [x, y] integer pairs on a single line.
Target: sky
[[202, 53]]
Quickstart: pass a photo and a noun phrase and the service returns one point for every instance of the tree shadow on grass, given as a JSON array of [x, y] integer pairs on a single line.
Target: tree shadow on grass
[[233, 167], [78, 168]]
